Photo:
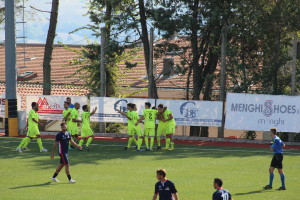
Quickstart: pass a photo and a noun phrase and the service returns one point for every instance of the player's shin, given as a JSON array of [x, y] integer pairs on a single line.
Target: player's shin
[[89, 140], [167, 142], [27, 141], [151, 142], [81, 142], [158, 141], [40, 144], [147, 142], [23, 142], [129, 142], [140, 142]]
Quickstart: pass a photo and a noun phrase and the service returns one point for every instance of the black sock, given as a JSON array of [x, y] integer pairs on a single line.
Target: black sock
[[69, 177], [54, 175]]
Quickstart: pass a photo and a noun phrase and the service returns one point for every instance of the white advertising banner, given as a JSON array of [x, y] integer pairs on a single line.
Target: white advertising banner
[[261, 112], [107, 108], [51, 107], [2, 104], [194, 113]]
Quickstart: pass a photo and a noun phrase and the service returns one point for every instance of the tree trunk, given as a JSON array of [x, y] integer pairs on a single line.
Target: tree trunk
[[276, 64], [49, 48], [146, 45]]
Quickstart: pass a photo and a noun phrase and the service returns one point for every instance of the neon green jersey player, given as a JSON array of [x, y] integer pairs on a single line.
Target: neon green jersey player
[[66, 113], [149, 117], [33, 123], [74, 120], [132, 117], [86, 131], [166, 125]]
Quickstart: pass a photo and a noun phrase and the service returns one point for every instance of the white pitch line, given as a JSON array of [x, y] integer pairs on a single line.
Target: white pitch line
[[186, 148]]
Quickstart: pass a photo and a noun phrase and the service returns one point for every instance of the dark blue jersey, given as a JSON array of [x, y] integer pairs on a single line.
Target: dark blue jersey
[[63, 139], [165, 190], [277, 145], [221, 194]]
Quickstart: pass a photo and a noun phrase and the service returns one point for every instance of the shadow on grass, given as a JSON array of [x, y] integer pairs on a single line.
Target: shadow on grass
[[252, 192], [104, 151], [29, 186]]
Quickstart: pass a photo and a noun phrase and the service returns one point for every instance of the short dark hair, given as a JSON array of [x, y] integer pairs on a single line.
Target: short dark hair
[[154, 108], [162, 172], [148, 104], [160, 106], [67, 102], [84, 107], [218, 181], [33, 104], [68, 98], [273, 130], [129, 105], [63, 124], [132, 105]]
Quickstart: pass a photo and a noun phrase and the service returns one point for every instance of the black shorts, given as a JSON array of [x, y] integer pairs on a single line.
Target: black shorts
[[277, 161], [64, 158]]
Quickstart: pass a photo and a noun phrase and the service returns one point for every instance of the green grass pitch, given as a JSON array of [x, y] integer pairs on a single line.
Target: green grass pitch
[[108, 172]]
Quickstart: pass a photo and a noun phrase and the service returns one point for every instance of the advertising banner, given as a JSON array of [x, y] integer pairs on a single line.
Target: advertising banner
[[194, 113], [51, 107], [107, 108], [260, 112]]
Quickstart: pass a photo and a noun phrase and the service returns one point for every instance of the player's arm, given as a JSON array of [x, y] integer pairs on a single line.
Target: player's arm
[[38, 122], [176, 196], [124, 114], [76, 120], [53, 149], [67, 116], [94, 111], [155, 196], [140, 120], [170, 117], [75, 144]]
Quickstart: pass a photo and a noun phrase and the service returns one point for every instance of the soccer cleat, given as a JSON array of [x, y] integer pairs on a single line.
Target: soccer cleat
[[147, 149], [43, 150], [281, 188], [268, 187], [159, 147], [87, 148], [19, 150], [139, 150], [126, 148], [55, 180], [72, 181], [171, 149], [165, 149], [24, 148], [150, 149]]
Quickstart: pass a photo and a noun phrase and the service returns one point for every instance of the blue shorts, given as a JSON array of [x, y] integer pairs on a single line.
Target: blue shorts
[[64, 158]]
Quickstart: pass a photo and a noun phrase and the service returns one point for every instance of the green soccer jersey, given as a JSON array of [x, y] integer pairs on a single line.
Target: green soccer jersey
[[85, 116], [32, 115], [134, 118], [74, 115], [65, 113], [150, 116], [166, 116]]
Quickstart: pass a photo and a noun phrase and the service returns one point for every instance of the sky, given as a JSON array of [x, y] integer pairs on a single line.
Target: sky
[[70, 16]]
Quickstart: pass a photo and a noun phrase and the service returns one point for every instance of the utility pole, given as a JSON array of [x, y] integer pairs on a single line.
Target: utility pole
[[294, 64], [223, 79], [102, 125], [151, 71], [11, 114]]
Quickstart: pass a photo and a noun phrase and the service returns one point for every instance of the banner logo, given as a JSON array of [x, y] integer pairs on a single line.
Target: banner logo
[[121, 105], [42, 102], [188, 109]]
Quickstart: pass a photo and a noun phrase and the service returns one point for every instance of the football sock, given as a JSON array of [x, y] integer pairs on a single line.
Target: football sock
[[147, 142], [69, 177], [172, 144], [168, 142], [282, 179], [81, 142], [89, 141], [40, 144], [27, 142], [140, 142], [54, 175], [158, 140], [134, 140], [23, 142], [151, 142], [271, 179], [129, 142]]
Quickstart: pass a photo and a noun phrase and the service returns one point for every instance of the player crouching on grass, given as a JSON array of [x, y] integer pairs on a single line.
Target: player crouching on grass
[[276, 147], [62, 140], [86, 131]]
